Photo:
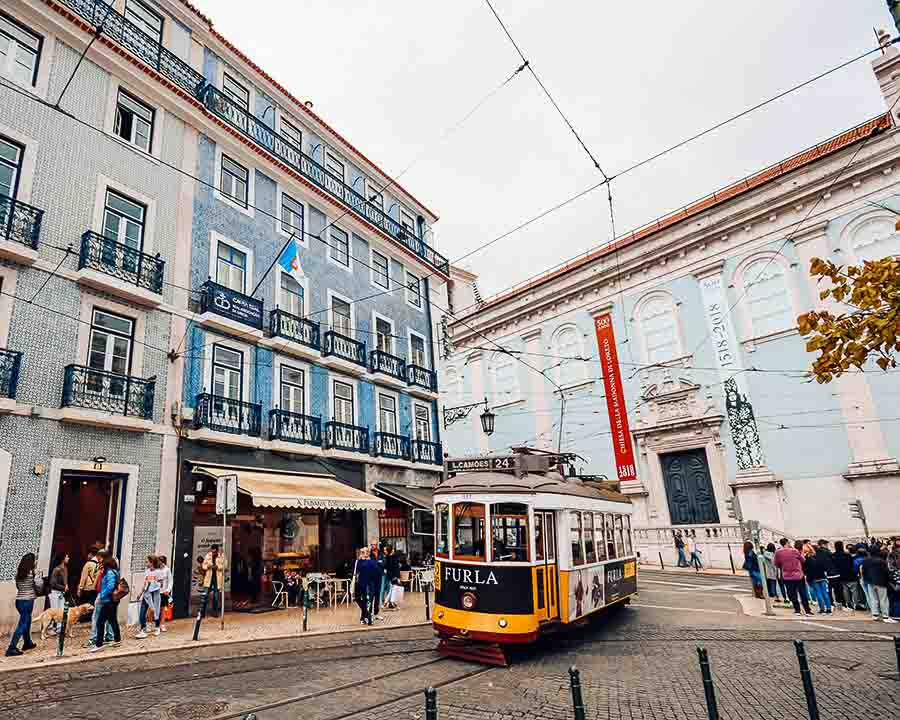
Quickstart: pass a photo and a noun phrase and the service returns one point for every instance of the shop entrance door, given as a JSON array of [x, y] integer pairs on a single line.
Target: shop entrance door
[[89, 509]]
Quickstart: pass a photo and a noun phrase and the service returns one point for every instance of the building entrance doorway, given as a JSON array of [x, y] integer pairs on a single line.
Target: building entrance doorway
[[89, 510], [689, 489]]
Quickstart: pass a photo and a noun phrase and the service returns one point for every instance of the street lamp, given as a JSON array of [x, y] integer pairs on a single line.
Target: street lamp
[[487, 421], [452, 414]]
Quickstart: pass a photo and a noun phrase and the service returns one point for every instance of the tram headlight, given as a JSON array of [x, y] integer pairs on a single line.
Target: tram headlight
[[468, 601], [502, 622], [441, 615]]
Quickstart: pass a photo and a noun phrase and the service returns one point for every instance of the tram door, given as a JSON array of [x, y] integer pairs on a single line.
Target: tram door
[[546, 581]]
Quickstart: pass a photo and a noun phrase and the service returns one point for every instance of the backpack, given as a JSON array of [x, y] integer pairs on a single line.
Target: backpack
[[122, 589]]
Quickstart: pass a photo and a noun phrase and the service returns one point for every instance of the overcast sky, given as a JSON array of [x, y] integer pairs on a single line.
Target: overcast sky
[[633, 78]]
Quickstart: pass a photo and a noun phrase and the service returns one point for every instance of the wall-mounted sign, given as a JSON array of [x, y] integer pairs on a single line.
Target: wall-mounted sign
[[615, 398]]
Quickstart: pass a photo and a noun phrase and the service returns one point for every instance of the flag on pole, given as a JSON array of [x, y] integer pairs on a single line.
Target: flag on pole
[[290, 258]]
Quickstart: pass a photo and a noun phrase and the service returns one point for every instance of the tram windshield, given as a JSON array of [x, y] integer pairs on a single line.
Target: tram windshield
[[509, 532], [442, 530], [468, 531]]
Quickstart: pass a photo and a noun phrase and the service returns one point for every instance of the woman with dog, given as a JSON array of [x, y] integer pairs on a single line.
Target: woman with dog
[[59, 584], [108, 602], [150, 596], [26, 592]]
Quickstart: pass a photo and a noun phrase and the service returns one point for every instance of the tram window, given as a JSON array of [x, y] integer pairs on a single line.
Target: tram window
[[468, 531], [575, 537], [599, 541], [620, 543], [627, 531], [550, 533], [442, 530], [610, 537], [538, 536], [509, 532], [590, 553]]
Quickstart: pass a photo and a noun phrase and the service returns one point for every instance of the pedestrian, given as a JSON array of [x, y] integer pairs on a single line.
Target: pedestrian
[[102, 556], [876, 578], [843, 567], [375, 591], [826, 557], [150, 597], [165, 591], [108, 597], [392, 572], [87, 591], [771, 572], [214, 577], [26, 592], [814, 570], [695, 554], [59, 584], [256, 574], [894, 577], [367, 574], [679, 546], [859, 558], [751, 565], [790, 562]]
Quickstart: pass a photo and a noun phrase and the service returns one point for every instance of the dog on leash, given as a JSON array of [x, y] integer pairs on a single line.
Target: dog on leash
[[52, 615]]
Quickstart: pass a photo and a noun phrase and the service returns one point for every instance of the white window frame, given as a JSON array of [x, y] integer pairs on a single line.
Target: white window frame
[[214, 240], [289, 120], [229, 343], [373, 345], [380, 390], [159, 120], [152, 11], [741, 313], [8, 278], [409, 359], [279, 362], [251, 182], [331, 294], [846, 242], [637, 320], [404, 213], [27, 163], [46, 51], [373, 189], [499, 360], [302, 282], [332, 379], [89, 303], [372, 253], [421, 306], [414, 428], [453, 391], [334, 157], [349, 266], [280, 191], [238, 79], [557, 351], [103, 184]]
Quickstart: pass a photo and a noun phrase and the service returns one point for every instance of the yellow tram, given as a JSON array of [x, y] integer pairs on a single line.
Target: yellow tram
[[522, 548]]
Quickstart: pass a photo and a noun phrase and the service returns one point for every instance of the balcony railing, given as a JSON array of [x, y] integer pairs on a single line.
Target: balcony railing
[[340, 436], [293, 427], [341, 346], [20, 222], [220, 300], [91, 389], [427, 452], [392, 446], [421, 377], [10, 362], [223, 414], [382, 362], [291, 327], [122, 262]]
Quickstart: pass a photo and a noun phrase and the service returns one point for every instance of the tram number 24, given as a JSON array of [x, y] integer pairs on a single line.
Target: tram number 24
[[626, 471]]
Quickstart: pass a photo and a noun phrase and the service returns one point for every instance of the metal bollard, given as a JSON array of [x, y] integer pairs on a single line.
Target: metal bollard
[[200, 614], [709, 690], [251, 716], [305, 615], [661, 566], [431, 710], [806, 677], [61, 642], [897, 652], [427, 605], [577, 701], [731, 560]]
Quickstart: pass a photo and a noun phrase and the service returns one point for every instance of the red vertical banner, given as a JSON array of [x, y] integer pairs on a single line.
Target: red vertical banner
[[615, 398]]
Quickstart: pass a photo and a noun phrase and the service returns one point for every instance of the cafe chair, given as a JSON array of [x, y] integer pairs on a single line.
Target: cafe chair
[[281, 596], [405, 576]]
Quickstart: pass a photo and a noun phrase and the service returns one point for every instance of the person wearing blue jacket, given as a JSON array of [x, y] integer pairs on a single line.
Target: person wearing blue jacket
[[368, 583], [108, 604]]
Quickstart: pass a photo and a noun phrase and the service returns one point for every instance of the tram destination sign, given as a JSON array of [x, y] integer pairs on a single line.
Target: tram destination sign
[[481, 464]]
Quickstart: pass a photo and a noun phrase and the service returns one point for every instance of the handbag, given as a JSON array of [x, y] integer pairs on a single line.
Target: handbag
[[396, 596]]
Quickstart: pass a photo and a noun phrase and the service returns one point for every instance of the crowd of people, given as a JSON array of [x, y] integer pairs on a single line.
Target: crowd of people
[[376, 581], [861, 577]]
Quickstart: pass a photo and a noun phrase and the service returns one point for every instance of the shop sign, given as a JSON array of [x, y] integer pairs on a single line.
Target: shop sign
[[623, 450], [489, 464], [226, 494]]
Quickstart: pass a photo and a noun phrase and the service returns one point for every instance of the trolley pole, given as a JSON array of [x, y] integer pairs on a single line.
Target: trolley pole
[[577, 700]]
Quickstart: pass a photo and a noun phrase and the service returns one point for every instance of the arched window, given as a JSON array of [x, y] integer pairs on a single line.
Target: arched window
[[567, 346], [875, 238], [453, 384], [504, 378], [659, 329], [768, 298]]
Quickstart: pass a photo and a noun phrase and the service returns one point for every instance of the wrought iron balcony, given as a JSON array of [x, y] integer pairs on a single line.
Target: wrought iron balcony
[[91, 389], [123, 262], [421, 377], [220, 300], [427, 452], [10, 362], [293, 427], [382, 362], [297, 329], [223, 414], [392, 446], [340, 346], [352, 438], [20, 222]]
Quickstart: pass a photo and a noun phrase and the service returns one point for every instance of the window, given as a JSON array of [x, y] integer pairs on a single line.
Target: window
[[417, 351], [509, 532], [291, 216], [134, 121], [567, 345], [659, 330], [109, 348], [575, 538], [10, 167], [599, 538], [340, 316], [231, 268], [590, 552], [423, 423], [317, 222], [539, 536], [375, 196], [123, 220], [387, 413], [20, 52], [291, 296], [381, 270], [343, 403], [626, 532], [408, 223], [339, 250], [293, 384], [442, 529], [413, 290], [236, 91], [610, 537], [453, 384], [145, 18], [620, 540], [234, 181], [292, 134], [768, 301], [334, 166], [384, 335], [505, 378], [227, 373], [875, 238], [550, 536], [468, 532]]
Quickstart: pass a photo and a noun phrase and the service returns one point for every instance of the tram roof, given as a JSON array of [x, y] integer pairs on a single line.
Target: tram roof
[[551, 483]]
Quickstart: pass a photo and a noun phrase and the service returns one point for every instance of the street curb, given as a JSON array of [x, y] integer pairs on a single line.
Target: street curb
[[674, 573], [57, 662]]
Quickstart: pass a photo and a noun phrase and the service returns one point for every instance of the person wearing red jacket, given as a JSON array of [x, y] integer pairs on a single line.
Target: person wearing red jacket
[[790, 561]]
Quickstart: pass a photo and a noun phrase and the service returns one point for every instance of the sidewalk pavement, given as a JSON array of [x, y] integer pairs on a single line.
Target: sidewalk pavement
[[756, 607], [239, 627], [690, 571]]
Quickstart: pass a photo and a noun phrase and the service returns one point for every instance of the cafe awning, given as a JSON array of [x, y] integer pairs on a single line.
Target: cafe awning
[[295, 490], [415, 497]]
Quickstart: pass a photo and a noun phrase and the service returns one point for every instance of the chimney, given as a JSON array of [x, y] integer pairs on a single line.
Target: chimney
[[887, 71]]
